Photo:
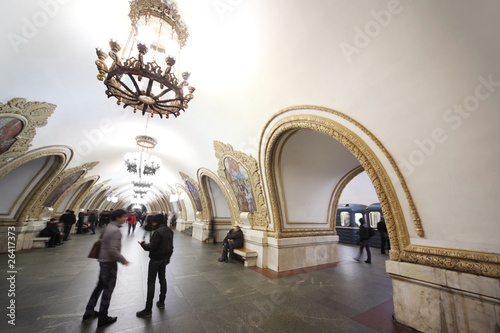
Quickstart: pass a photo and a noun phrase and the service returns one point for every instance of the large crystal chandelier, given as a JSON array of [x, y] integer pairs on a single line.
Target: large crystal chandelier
[[142, 162], [148, 82]]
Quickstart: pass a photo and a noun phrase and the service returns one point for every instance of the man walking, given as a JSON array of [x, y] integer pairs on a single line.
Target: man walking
[[109, 255], [365, 232], [160, 249]]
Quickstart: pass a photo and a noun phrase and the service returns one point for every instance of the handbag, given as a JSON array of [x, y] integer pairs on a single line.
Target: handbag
[[96, 248], [94, 252]]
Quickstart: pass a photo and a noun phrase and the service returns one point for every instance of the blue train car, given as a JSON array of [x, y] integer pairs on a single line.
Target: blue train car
[[373, 214], [347, 222]]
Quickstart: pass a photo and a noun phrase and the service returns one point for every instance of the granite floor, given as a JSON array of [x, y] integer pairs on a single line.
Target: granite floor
[[53, 286]]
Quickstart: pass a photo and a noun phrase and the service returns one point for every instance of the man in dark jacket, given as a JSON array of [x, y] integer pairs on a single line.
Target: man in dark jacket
[[365, 232], [68, 219], [233, 240], [384, 237], [160, 249]]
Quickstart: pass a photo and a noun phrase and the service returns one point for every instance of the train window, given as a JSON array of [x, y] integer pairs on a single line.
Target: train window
[[374, 219], [357, 216], [345, 219]]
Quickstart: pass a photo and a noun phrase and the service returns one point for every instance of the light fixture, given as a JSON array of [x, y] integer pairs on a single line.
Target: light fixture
[[112, 198], [140, 193], [142, 184], [142, 162], [148, 83]]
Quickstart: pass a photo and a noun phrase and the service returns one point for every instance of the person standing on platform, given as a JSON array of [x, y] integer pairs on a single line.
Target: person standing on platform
[[160, 247], [131, 220], [384, 236], [109, 256], [233, 240], [67, 220], [365, 232]]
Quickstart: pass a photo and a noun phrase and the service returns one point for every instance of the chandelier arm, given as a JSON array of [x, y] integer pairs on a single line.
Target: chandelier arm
[[164, 92], [132, 94], [135, 83], [144, 109], [150, 86]]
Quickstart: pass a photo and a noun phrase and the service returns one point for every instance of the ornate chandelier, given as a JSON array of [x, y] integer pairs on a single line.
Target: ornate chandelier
[[142, 184], [142, 162], [148, 83]]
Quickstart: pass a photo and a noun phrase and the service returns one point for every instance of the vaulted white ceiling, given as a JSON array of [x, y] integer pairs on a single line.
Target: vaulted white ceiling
[[394, 66]]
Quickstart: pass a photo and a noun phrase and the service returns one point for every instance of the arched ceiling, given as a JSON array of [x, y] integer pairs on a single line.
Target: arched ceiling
[[250, 59]]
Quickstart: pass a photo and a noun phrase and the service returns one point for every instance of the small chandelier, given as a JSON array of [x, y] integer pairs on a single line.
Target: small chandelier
[[148, 83], [140, 193], [142, 184], [142, 162]]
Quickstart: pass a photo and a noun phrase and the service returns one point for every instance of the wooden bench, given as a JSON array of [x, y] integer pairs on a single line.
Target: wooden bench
[[249, 256], [39, 242]]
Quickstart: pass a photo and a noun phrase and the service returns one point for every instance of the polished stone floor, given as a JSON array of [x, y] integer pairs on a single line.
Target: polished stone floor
[[53, 286]]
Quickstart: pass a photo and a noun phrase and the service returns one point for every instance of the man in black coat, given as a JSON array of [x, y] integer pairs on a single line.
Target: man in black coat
[[233, 240], [68, 219], [160, 247], [384, 237]]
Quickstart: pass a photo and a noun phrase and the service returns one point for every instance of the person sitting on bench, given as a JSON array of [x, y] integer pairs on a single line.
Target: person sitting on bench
[[52, 231], [233, 240]]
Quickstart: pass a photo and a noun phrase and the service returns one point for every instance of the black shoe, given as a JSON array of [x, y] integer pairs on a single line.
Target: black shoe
[[143, 313], [107, 321], [89, 314], [160, 305], [221, 260], [368, 262]]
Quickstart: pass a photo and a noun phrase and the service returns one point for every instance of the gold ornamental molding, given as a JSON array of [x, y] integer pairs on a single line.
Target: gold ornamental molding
[[75, 191], [92, 194], [474, 262], [180, 189], [203, 203], [259, 218], [40, 203], [204, 175], [18, 122], [96, 202], [90, 182], [61, 157], [337, 193]]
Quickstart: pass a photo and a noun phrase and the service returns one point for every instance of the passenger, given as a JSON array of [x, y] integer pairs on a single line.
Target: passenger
[[131, 220], [68, 220], [52, 231], [109, 255], [365, 232], [160, 249], [93, 221], [148, 227], [233, 240], [384, 237]]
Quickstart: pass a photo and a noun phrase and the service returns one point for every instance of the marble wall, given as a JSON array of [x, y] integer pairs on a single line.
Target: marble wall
[[432, 299]]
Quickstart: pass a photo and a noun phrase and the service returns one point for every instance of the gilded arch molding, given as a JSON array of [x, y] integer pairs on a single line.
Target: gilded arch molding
[[31, 115], [474, 262], [62, 154], [96, 202], [180, 189], [228, 194], [75, 205], [337, 192], [88, 182], [259, 218], [58, 179], [203, 202]]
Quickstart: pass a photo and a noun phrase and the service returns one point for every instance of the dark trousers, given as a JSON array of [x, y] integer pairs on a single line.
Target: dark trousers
[[228, 248], [55, 238], [365, 243], [384, 239], [105, 285], [131, 226], [67, 230], [156, 267]]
